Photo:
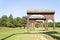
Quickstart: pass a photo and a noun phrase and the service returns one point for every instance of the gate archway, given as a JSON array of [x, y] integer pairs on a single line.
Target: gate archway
[[48, 14]]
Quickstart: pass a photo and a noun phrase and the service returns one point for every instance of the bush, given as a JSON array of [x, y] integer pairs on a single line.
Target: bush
[[57, 24]]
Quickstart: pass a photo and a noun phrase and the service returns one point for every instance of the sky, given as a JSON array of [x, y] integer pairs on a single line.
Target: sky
[[18, 8]]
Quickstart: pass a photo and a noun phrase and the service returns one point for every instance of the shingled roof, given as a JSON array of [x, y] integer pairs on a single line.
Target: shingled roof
[[41, 11]]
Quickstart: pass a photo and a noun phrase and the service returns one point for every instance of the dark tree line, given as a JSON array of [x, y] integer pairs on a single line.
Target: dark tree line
[[13, 22], [18, 22]]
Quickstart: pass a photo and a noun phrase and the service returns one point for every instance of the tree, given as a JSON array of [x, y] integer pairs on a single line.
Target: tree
[[10, 21], [57, 24], [50, 24], [3, 20], [17, 22], [0, 22], [24, 21]]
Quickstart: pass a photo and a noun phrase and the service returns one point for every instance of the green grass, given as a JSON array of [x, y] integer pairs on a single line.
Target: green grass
[[33, 34], [5, 32]]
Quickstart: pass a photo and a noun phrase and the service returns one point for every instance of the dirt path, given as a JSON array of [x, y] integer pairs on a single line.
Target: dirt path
[[43, 37]]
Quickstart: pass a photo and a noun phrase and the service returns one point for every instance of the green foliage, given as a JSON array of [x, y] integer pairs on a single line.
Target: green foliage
[[13, 22], [3, 20], [19, 22], [24, 21], [10, 21], [50, 24], [57, 24], [16, 21]]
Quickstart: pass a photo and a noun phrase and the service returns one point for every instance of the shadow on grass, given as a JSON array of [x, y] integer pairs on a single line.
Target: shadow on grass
[[7, 37], [47, 33], [51, 33], [41, 30]]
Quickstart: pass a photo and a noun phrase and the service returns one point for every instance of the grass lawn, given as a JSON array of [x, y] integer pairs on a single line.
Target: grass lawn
[[23, 34]]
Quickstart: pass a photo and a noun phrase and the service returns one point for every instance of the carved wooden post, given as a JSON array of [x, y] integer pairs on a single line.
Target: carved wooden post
[[28, 24], [53, 25], [46, 25]]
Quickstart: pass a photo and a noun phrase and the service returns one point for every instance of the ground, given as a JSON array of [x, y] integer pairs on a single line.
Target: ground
[[33, 34]]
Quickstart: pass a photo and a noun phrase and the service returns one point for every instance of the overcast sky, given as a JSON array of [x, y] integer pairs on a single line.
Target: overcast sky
[[19, 7]]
